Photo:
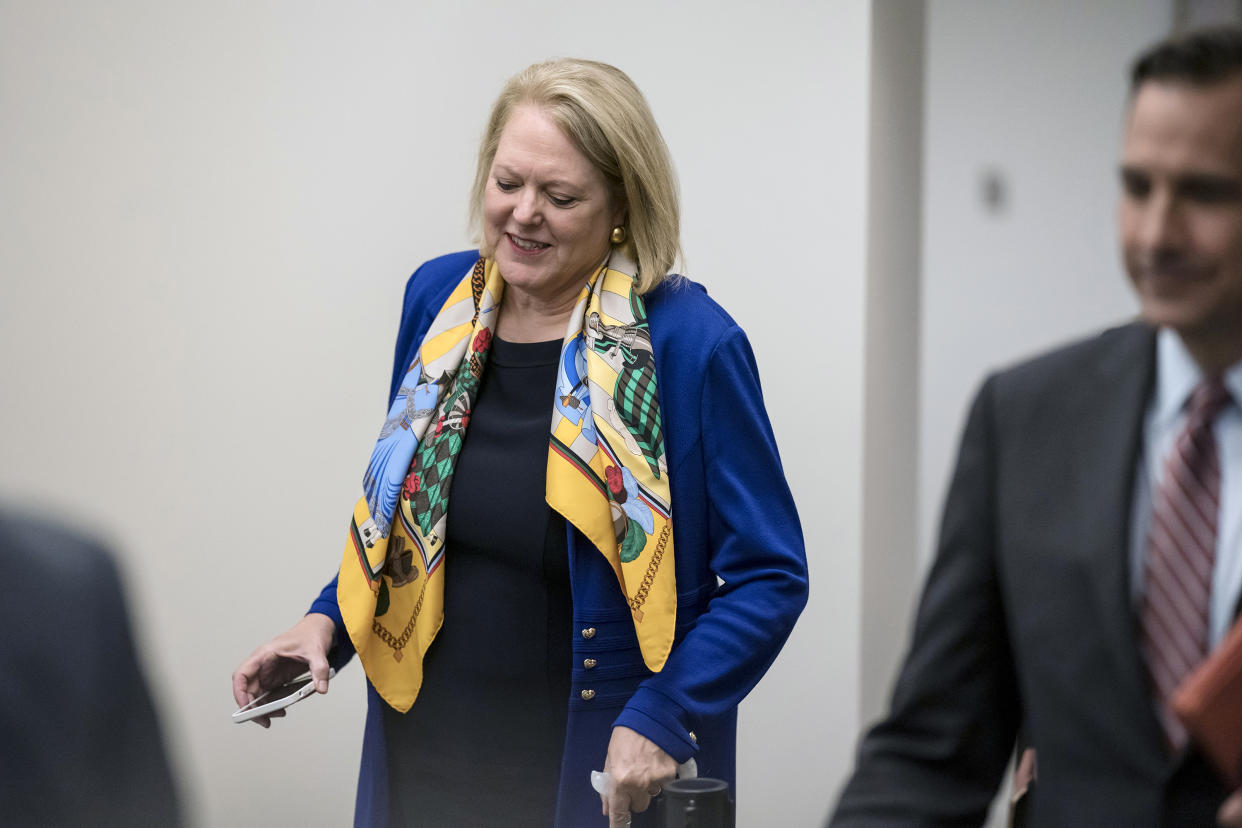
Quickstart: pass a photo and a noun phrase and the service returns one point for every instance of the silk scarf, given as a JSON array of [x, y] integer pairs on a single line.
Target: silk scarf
[[607, 472]]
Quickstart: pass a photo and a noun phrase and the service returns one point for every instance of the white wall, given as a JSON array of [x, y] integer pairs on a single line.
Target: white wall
[[890, 423], [207, 212], [1035, 90]]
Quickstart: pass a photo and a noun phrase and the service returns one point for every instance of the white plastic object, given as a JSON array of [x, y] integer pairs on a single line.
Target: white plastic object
[[600, 780]]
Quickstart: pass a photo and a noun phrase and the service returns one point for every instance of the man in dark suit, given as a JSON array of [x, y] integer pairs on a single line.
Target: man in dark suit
[[79, 741], [1066, 583]]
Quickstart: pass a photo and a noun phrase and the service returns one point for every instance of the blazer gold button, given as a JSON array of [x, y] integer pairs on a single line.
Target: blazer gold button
[[589, 663], [694, 738], [589, 632], [587, 695]]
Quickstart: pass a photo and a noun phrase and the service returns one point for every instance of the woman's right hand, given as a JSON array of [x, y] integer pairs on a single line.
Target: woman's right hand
[[288, 655]]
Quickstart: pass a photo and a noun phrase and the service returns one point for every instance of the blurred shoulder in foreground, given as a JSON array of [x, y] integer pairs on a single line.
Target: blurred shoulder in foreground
[[79, 740]]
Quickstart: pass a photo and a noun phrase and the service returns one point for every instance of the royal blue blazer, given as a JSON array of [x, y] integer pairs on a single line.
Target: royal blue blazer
[[740, 559]]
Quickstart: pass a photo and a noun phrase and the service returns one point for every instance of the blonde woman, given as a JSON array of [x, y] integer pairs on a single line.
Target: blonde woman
[[575, 548]]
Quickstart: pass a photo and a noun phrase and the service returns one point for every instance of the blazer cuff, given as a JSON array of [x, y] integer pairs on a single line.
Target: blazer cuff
[[658, 718], [342, 648]]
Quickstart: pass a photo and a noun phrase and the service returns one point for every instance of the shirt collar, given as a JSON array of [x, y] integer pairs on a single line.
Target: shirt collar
[[1177, 374]]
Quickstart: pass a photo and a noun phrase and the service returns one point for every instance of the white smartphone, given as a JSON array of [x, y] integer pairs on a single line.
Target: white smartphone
[[278, 698]]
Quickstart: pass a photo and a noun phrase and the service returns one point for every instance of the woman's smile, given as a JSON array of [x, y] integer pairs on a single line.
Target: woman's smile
[[528, 246]]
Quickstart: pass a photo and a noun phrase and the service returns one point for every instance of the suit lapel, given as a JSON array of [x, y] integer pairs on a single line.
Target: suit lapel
[[1107, 445]]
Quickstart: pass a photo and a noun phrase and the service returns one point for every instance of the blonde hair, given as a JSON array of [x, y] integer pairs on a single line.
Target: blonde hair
[[607, 118]]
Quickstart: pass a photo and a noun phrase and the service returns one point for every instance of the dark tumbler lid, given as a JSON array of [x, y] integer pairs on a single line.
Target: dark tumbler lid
[[692, 788]]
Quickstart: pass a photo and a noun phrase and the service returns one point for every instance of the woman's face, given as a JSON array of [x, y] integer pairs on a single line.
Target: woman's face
[[546, 211]]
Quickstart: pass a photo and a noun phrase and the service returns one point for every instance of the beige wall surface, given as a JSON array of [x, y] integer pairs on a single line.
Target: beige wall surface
[[1030, 93]]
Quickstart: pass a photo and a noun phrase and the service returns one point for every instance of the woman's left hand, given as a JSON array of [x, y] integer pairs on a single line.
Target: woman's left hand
[[638, 769]]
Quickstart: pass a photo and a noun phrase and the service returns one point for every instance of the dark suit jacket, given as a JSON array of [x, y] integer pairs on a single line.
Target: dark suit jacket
[[1026, 620], [79, 742]]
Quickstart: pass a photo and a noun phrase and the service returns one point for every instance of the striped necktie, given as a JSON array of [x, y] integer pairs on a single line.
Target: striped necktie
[[1180, 554]]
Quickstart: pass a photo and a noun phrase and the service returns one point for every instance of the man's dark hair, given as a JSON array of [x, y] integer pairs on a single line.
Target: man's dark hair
[[1201, 57]]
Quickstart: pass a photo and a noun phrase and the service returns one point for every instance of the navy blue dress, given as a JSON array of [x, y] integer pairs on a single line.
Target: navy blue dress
[[482, 744]]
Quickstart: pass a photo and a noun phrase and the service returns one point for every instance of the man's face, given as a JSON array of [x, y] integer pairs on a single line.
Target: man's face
[[1181, 211]]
